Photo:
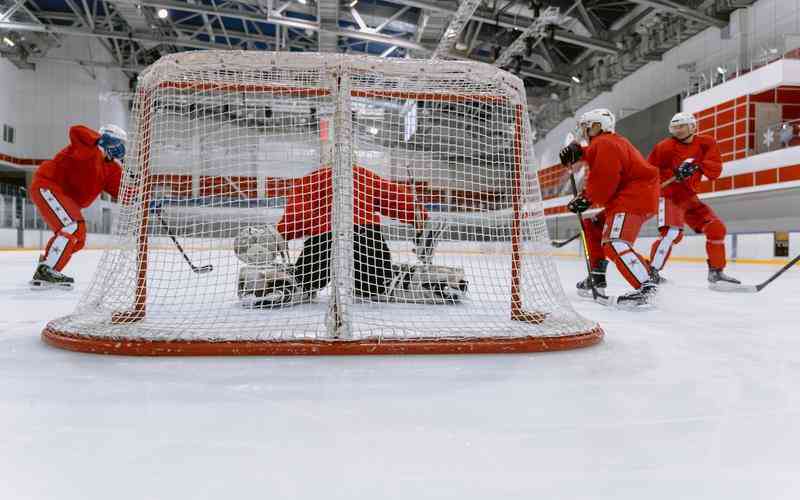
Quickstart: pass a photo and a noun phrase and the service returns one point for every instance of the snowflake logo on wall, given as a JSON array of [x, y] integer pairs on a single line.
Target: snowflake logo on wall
[[769, 137]]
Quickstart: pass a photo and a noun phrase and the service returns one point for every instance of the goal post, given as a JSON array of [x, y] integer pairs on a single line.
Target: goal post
[[452, 136]]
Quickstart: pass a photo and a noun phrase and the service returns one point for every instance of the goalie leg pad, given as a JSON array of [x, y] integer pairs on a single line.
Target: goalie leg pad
[[662, 247], [269, 287], [426, 284], [630, 264]]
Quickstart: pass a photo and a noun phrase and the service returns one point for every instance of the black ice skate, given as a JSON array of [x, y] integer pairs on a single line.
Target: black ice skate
[[45, 278], [642, 297], [656, 277], [717, 279], [599, 278]]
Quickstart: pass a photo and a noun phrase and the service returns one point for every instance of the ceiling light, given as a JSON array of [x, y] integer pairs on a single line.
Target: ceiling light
[[303, 1], [352, 4], [8, 41], [373, 131], [721, 70], [163, 13], [576, 79]]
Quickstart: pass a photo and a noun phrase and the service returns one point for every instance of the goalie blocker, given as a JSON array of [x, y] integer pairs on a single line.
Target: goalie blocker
[[268, 280]]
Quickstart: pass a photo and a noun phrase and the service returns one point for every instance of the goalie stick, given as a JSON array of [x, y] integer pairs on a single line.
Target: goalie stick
[[199, 270], [595, 294], [425, 244], [754, 288]]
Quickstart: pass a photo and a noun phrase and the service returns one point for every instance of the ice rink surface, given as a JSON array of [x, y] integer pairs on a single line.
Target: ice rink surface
[[696, 399]]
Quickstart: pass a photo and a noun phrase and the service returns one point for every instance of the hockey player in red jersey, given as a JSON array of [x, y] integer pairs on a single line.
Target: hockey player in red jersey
[[308, 214], [626, 186], [687, 156], [71, 181]]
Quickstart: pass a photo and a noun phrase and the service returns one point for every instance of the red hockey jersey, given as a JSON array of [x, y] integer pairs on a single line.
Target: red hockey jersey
[[670, 153], [619, 178], [81, 169], [310, 200]]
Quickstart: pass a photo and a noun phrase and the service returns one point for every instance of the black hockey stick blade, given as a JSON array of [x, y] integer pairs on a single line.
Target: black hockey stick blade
[[559, 244], [203, 269]]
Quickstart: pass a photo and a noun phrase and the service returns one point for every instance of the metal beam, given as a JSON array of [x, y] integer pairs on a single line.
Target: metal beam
[[460, 19], [283, 21], [547, 76], [536, 30], [328, 12], [233, 14], [587, 21], [585, 41], [630, 19], [683, 11], [87, 63], [377, 37], [136, 37], [359, 21], [10, 12], [517, 23], [392, 19]]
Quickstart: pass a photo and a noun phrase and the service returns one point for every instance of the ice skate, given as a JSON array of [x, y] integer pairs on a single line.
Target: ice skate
[[46, 278], [599, 279], [642, 298], [718, 280]]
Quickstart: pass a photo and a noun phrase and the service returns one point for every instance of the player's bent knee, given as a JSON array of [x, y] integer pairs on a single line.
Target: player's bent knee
[[715, 230], [76, 234]]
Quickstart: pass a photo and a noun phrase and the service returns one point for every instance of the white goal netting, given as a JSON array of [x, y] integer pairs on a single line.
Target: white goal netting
[[319, 201]]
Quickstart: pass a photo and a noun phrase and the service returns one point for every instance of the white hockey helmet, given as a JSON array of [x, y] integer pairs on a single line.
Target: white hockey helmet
[[680, 119], [114, 131], [602, 116]]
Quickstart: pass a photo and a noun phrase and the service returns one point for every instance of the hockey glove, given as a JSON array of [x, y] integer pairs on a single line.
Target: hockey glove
[[685, 170], [426, 239], [579, 204], [570, 154], [112, 146]]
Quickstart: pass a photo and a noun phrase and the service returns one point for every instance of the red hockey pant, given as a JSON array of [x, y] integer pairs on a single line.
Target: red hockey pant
[[611, 236], [672, 216], [64, 217]]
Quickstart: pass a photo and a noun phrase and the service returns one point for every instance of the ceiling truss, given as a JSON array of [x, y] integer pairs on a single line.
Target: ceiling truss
[[596, 42]]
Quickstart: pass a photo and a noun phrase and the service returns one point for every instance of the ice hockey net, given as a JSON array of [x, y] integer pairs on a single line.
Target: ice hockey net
[[220, 139]]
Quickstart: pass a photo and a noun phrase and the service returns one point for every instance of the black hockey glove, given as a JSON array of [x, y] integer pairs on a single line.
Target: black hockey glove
[[579, 204], [685, 170], [570, 154]]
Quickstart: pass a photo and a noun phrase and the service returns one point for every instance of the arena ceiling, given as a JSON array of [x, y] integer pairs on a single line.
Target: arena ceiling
[[565, 60]]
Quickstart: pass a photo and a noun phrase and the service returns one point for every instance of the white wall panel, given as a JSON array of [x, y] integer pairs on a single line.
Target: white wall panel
[[42, 104], [755, 246]]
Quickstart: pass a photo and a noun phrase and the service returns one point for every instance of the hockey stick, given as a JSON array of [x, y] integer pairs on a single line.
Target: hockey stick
[[428, 245], [199, 270], [595, 294], [582, 233], [760, 286], [559, 244]]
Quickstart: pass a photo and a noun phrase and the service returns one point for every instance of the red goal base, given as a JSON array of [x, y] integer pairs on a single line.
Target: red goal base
[[491, 345]]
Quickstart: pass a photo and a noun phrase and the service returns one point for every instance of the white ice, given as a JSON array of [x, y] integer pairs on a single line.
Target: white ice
[[697, 399]]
